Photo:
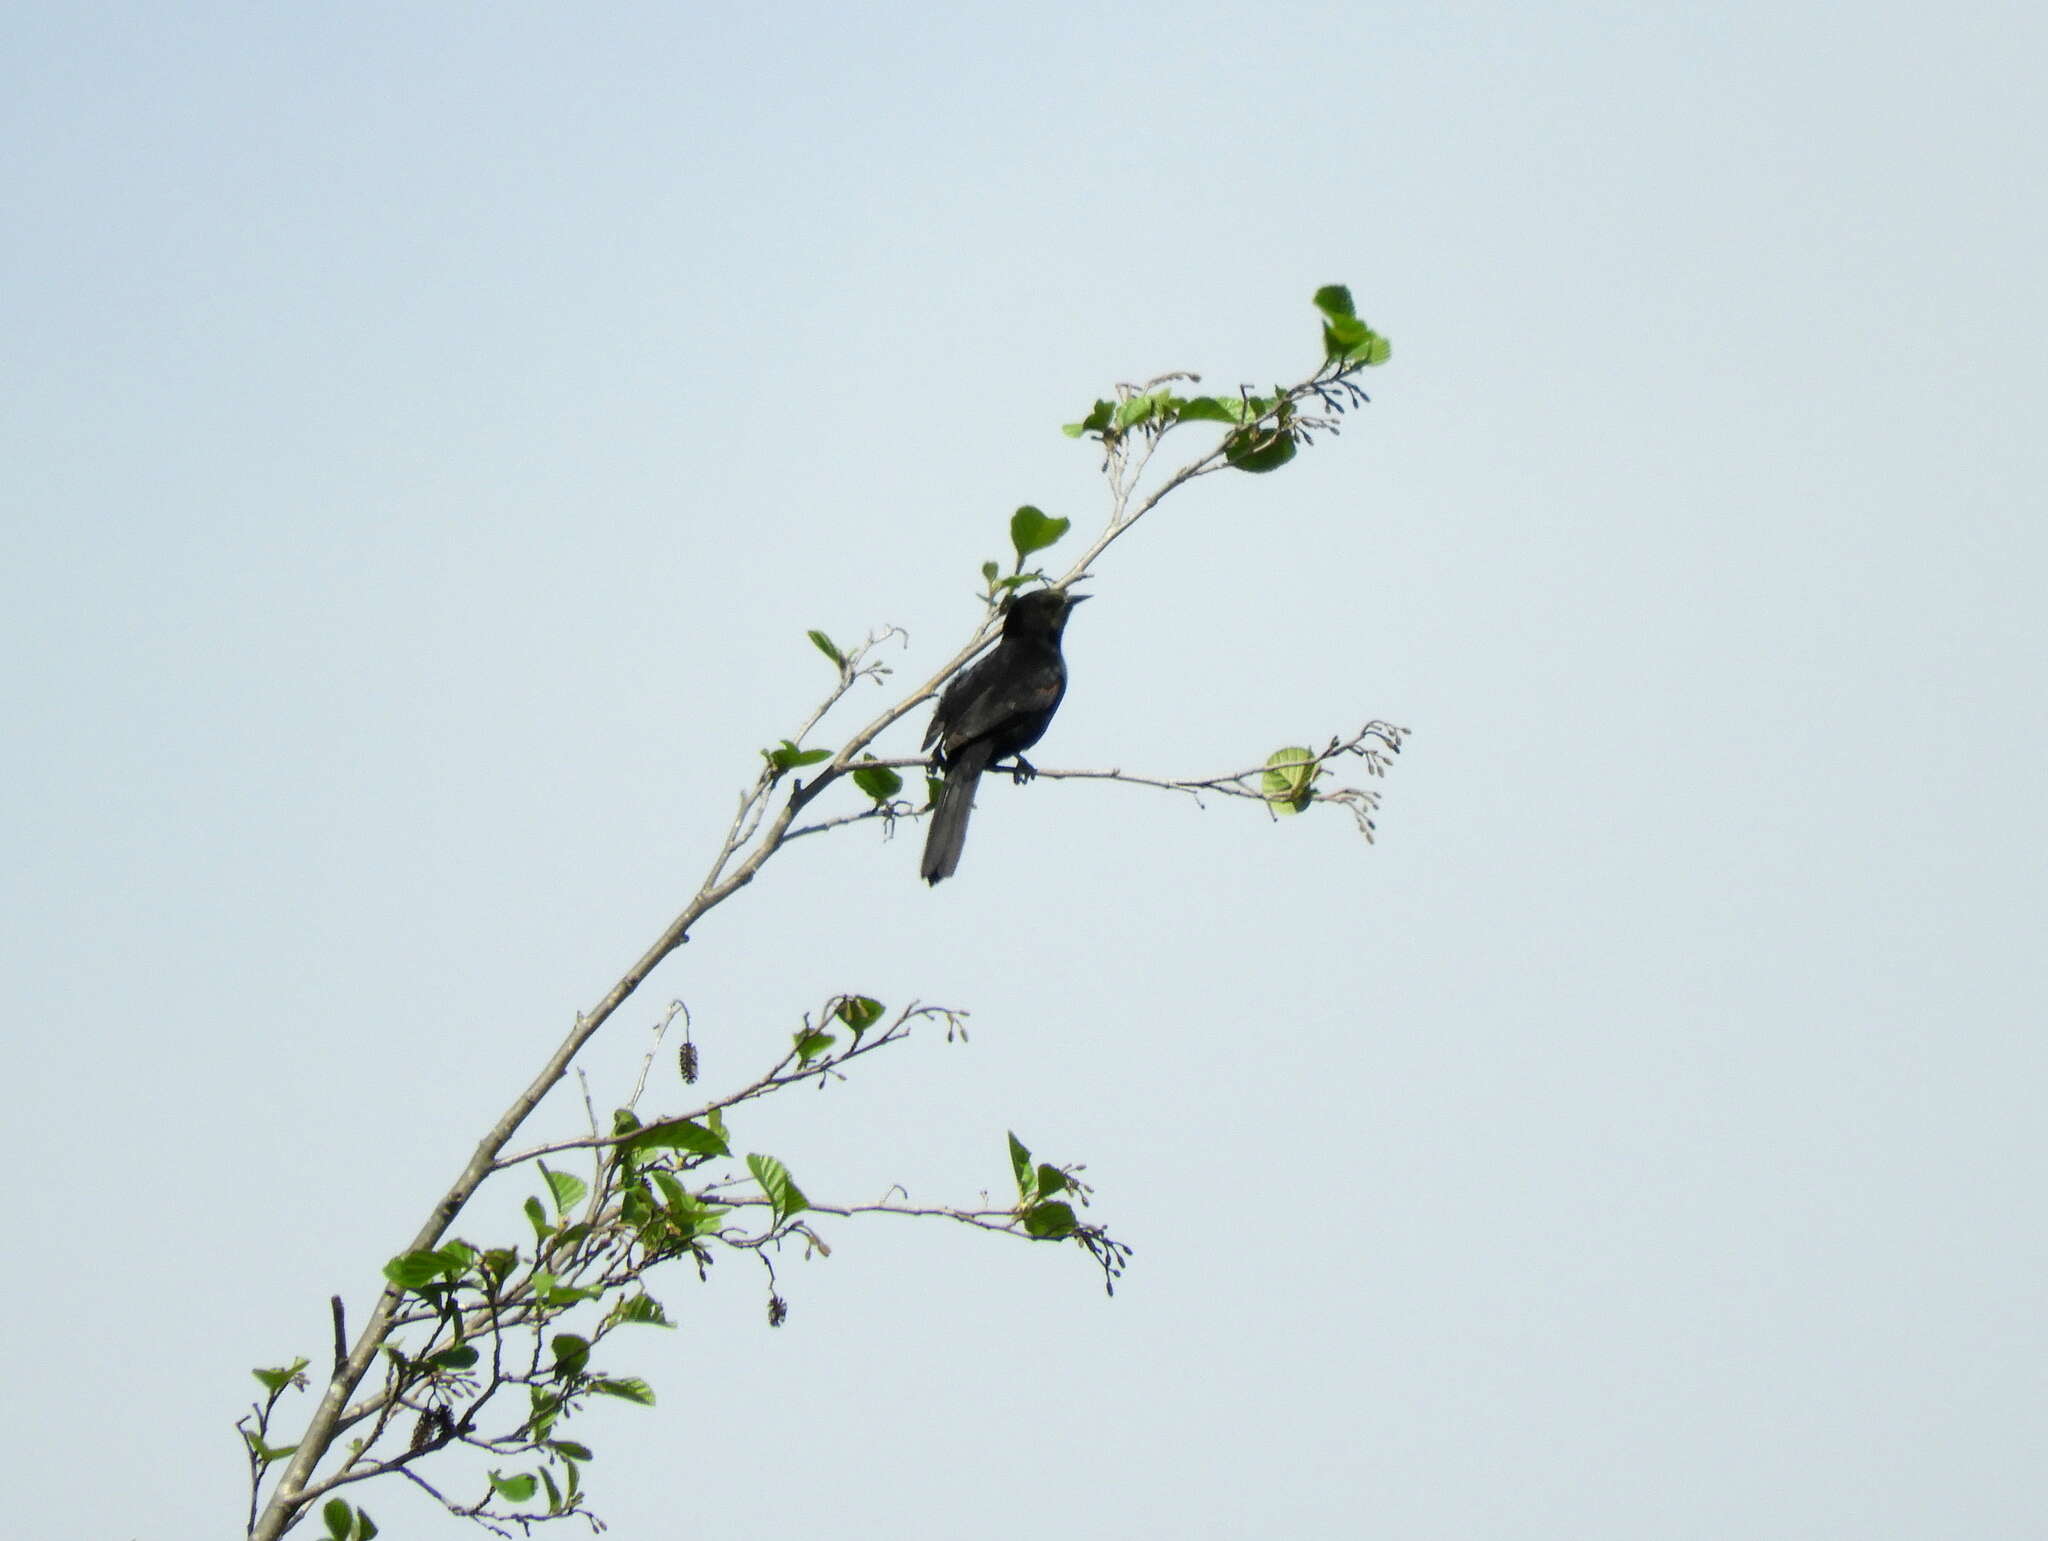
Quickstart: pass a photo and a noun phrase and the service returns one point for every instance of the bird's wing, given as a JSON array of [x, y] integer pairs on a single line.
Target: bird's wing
[[992, 713]]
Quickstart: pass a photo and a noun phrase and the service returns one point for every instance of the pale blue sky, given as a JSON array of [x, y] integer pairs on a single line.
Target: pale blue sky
[[429, 431]]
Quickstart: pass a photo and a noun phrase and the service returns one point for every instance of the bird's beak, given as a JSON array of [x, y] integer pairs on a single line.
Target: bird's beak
[[1074, 599]]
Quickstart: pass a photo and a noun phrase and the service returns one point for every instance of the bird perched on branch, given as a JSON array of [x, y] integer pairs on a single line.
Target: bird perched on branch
[[997, 709]]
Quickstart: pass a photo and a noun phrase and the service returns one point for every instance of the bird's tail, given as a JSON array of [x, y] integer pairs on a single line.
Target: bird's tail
[[948, 833]]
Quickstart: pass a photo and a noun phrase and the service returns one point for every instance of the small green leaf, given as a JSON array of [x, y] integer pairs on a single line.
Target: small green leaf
[[788, 757], [679, 1134], [636, 1208], [345, 1522], [1139, 409], [1050, 1220], [1353, 342], [878, 781], [416, 1270], [547, 1407], [1212, 409], [567, 1191], [1020, 1165], [460, 1357], [572, 1353], [692, 1217], [537, 1217], [281, 1376], [1264, 448], [1334, 301], [1288, 779], [810, 1045], [265, 1454], [643, 1309], [554, 1493], [630, 1388], [1051, 1180], [1375, 350], [989, 571], [1346, 339], [1032, 531], [859, 1012], [569, 1448], [784, 1195], [515, 1489], [824, 645], [1096, 421]]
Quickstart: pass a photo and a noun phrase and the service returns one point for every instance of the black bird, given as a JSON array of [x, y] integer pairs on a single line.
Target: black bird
[[998, 708]]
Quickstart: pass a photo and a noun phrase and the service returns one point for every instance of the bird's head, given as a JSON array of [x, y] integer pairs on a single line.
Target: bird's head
[[1042, 612]]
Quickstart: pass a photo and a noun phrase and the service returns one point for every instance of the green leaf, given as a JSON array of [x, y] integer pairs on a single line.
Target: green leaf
[[567, 1191], [643, 1309], [514, 1489], [1212, 409], [1346, 339], [933, 786], [572, 1353], [1375, 350], [824, 645], [553, 1294], [636, 1208], [345, 1522], [1050, 1220], [1140, 409], [630, 1388], [679, 1134], [547, 1407], [784, 1195], [878, 781], [281, 1376], [810, 1045], [787, 757], [1353, 342], [460, 1357], [1264, 448], [266, 1453], [693, 1218], [537, 1217], [1095, 422], [1032, 531], [569, 1448], [859, 1012], [1020, 1165], [1051, 1179], [1334, 301], [416, 1270], [1288, 779], [989, 571]]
